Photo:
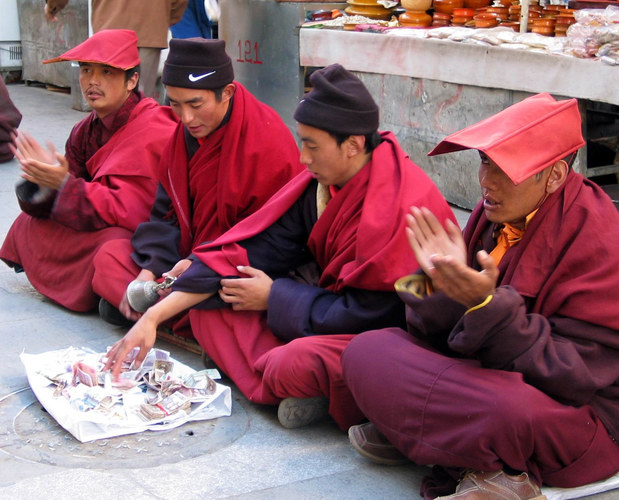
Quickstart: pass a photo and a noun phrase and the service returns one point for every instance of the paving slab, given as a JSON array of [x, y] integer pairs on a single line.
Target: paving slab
[[245, 456]]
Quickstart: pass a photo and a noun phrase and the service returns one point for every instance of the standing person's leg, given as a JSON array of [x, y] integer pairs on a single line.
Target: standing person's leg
[[149, 70], [451, 412]]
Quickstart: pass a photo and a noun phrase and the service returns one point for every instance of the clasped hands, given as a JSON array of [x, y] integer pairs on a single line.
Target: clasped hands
[[441, 254], [45, 167]]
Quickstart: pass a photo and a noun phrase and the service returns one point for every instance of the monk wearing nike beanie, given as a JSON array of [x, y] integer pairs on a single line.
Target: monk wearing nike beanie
[[228, 155]]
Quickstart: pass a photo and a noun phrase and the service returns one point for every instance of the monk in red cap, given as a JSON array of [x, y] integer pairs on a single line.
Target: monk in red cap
[[309, 270], [102, 187], [510, 366]]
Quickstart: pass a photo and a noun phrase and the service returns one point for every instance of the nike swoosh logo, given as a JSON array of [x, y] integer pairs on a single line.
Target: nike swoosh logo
[[199, 77]]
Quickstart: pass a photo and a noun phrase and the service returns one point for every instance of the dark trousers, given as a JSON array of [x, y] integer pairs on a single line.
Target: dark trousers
[[452, 412]]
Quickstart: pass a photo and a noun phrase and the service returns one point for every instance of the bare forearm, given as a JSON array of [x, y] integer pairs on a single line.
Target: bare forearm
[[174, 304]]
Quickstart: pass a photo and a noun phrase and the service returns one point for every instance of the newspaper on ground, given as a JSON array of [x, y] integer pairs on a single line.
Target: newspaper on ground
[[161, 394]]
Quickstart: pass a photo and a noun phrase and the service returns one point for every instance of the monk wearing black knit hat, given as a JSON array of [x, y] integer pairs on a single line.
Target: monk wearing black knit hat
[[312, 268], [228, 155]]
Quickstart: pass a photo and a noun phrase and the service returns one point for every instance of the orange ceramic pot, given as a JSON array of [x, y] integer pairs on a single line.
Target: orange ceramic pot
[[476, 4], [486, 20], [564, 21], [417, 5], [447, 6], [510, 24], [546, 22], [502, 12], [460, 12], [441, 18], [417, 18], [544, 26]]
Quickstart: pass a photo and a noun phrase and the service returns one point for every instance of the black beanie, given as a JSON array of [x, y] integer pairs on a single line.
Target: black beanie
[[197, 63], [338, 102]]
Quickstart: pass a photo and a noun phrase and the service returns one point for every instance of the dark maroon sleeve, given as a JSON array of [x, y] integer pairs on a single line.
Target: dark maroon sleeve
[[502, 335], [73, 209], [156, 242]]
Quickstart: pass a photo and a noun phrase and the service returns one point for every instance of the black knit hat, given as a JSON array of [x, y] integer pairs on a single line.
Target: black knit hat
[[338, 102], [197, 63]]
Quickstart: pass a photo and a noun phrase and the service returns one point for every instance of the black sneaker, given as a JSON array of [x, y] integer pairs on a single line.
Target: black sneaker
[[111, 315]]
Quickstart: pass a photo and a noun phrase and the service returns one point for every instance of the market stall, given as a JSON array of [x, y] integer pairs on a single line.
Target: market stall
[[429, 88], [432, 82]]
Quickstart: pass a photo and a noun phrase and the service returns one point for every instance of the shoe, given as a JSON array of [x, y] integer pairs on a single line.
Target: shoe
[[299, 412], [495, 486], [111, 315], [369, 442]]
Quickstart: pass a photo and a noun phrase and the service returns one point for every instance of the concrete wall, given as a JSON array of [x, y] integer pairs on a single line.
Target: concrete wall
[[43, 40], [421, 112]]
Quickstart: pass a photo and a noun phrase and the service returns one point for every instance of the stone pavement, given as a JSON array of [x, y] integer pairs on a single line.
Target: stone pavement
[[245, 456]]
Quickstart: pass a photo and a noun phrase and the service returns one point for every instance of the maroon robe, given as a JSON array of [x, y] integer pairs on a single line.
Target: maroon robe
[[10, 117], [530, 380], [234, 172], [359, 242], [103, 199]]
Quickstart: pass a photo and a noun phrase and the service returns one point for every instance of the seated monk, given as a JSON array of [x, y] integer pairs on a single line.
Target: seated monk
[[340, 225], [103, 186], [228, 155], [509, 371]]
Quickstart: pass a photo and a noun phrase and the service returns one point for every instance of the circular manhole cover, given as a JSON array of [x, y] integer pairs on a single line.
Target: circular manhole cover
[[28, 432]]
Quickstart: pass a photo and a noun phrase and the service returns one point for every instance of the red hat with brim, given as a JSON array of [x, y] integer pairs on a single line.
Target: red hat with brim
[[116, 48], [523, 139]]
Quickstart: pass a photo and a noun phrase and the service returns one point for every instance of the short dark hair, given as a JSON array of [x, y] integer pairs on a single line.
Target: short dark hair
[[129, 73], [219, 91], [372, 140]]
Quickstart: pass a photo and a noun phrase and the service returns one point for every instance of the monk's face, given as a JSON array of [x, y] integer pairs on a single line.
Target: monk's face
[[105, 88], [505, 202], [327, 161], [199, 109]]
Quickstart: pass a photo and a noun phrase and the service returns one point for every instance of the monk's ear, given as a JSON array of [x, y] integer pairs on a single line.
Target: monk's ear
[[228, 92], [355, 144], [132, 81], [558, 174]]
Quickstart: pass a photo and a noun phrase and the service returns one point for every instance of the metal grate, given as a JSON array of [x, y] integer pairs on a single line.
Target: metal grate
[[10, 55]]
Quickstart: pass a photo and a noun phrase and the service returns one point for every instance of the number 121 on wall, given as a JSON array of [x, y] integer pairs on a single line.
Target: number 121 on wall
[[248, 52]]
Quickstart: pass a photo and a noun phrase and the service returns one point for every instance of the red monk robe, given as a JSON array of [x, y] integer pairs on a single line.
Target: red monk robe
[[359, 242], [530, 380], [109, 192], [235, 170]]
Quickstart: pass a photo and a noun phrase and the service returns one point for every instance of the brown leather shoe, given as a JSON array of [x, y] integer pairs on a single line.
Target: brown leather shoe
[[369, 442], [495, 486]]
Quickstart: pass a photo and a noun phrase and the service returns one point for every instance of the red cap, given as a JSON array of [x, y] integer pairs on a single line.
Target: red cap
[[116, 48], [523, 139]]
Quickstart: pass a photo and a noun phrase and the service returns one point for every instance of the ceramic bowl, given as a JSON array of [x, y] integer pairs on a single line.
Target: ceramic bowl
[[546, 22], [461, 12], [510, 24], [415, 18], [486, 20], [422, 5], [502, 12], [447, 6], [476, 4], [543, 30]]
